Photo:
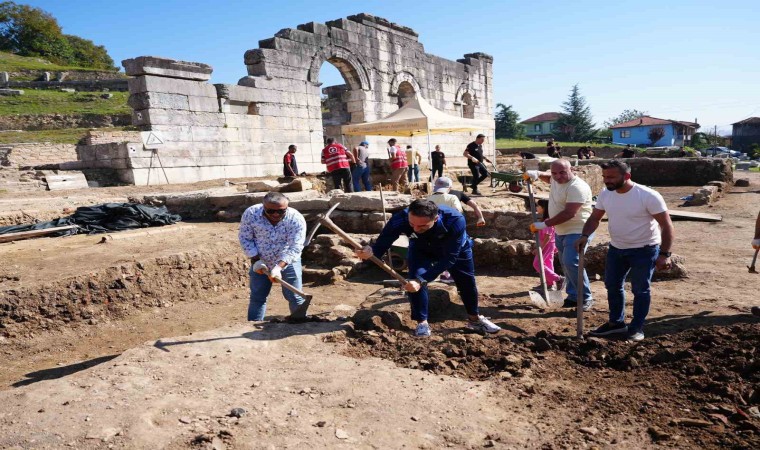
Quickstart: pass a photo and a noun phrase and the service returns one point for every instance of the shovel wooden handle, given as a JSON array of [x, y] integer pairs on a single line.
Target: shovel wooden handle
[[579, 290], [357, 246]]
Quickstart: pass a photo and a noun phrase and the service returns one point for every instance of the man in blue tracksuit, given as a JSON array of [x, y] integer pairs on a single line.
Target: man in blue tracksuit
[[438, 241]]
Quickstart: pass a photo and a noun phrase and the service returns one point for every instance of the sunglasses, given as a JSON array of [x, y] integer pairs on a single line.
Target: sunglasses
[[272, 212]]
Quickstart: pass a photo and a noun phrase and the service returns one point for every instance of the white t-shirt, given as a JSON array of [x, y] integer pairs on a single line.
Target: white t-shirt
[[574, 191], [631, 224], [449, 200]]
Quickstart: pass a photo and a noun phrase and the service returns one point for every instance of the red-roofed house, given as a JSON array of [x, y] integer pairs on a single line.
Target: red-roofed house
[[541, 126], [636, 131]]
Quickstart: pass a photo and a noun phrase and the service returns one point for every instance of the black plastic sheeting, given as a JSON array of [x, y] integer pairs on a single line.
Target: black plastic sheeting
[[105, 218]]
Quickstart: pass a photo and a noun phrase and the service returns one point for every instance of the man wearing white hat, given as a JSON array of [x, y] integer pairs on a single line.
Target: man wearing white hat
[[441, 196]]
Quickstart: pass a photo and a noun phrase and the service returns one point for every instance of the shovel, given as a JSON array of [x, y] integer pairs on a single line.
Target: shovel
[[754, 260], [549, 299]]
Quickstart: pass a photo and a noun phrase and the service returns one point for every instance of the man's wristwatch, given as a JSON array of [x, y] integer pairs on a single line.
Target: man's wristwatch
[[665, 254], [423, 282]]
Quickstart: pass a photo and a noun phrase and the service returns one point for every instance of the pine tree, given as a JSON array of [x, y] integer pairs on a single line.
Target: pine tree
[[576, 123], [508, 123]]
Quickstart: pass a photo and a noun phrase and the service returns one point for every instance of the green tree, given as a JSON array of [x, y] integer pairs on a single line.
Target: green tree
[[576, 123], [28, 31], [508, 123], [625, 116], [700, 140], [655, 134], [86, 54]]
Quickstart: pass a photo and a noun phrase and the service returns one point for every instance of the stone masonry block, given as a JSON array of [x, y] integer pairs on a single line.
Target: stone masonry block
[[145, 100], [151, 65], [149, 83], [203, 104]]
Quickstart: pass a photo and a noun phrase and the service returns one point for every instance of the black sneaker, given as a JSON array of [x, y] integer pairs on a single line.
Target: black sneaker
[[476, 192], [610, 328], [570, 303]]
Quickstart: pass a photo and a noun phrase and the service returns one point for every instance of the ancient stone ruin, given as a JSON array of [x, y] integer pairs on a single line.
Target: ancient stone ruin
[[205, 131]]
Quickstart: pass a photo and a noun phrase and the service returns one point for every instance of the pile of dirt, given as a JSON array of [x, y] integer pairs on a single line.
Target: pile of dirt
[[703, 382]]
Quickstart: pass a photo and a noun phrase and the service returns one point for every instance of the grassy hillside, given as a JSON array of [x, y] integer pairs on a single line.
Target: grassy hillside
[[55, 102], [14, 63], [62, 136]]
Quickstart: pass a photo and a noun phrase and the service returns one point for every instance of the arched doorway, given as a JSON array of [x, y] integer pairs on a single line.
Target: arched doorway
[[468, 106], [405, 93]]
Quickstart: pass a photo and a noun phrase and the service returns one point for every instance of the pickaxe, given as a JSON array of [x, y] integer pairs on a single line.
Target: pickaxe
[[324, 219], [754, 260], [301, 311]]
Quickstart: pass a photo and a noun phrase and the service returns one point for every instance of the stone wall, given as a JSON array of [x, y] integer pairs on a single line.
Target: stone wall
[[79, 85], [95, 137], [58, 121], [676, 171], [227, 131], [36, 154]]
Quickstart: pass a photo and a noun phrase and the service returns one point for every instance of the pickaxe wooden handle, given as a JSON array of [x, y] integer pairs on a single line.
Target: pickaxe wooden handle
[[290, 287], [357, 246], [754, 260]]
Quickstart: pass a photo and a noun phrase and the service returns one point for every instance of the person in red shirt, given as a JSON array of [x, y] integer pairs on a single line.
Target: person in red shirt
[[289, 165], [399, 164], [338, 159]]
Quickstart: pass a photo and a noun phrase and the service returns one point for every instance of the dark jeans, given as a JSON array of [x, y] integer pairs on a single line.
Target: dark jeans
[[342, 175], [463, 274], [640, 263], [360, 176], [414, 174], [479, 173], [438, 169]]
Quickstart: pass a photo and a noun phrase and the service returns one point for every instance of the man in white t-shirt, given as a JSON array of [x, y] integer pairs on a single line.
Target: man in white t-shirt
[[641, 235], [569, 208]]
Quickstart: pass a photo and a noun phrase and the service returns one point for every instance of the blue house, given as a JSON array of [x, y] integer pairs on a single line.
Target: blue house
[[636, 132]]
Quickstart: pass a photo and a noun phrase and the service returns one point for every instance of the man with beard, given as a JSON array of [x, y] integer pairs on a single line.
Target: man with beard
[[641, 236]]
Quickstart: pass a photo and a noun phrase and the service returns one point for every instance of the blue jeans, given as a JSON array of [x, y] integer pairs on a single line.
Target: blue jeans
[[260, 287], [640, 263], [361, 174], [569, 257], [463, 274], [414, 173]]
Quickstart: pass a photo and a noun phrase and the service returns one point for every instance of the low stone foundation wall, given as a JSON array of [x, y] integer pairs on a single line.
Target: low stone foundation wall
[[675, 171], [80, 85], [95, 137], [36, 154], [58, 121]]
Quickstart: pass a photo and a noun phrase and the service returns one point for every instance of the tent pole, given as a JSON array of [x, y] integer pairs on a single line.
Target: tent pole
[[429, 153], [494, 147]]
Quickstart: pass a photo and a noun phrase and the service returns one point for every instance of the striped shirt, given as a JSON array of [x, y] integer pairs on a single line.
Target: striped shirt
[[272, 243]]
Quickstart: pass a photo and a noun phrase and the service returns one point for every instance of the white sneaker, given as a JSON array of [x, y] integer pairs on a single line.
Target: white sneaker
[[423, 330], [484, 325]]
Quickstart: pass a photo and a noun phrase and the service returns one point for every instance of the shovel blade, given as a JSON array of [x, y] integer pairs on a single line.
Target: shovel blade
[[553, 300], [538, 300]]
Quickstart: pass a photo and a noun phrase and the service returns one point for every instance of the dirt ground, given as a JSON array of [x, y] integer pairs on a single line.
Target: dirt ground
[[693, 383]]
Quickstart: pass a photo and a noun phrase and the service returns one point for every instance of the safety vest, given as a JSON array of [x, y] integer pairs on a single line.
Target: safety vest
[[398, 160], [334, 155]]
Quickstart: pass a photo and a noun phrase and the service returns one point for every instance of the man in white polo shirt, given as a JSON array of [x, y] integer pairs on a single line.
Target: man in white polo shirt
[[569, 207], [641, 235]]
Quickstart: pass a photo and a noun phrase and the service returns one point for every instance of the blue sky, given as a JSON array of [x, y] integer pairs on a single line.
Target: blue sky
[[674, 59]]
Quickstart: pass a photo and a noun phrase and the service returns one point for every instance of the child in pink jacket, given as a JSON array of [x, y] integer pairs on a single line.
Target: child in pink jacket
[[549, 249]]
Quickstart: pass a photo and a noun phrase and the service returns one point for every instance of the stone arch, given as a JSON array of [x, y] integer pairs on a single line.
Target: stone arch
[[460, 92], [354, 70], [401, 77]]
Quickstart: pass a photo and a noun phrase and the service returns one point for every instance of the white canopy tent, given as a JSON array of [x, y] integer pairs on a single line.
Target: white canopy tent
[[419, 117]]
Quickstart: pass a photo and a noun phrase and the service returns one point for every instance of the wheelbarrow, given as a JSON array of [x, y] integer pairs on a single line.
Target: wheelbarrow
[[512, 180]]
